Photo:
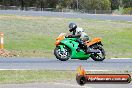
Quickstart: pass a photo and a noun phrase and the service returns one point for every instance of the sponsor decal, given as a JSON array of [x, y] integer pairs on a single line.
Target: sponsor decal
[[82, 77]]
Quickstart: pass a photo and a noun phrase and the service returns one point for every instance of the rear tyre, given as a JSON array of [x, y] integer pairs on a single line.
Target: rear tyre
[[99, 56], [62, 55]]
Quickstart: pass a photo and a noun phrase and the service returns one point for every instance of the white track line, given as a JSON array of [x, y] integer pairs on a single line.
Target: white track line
[[36, 69], [72, 85], [99, 70], [120, 58], [57, 70], [13, 69]]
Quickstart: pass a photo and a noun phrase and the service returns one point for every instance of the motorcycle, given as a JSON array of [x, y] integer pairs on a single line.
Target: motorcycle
[[66, 48]]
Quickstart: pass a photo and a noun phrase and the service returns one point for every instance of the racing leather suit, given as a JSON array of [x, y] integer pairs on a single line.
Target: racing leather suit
[[82, 37]]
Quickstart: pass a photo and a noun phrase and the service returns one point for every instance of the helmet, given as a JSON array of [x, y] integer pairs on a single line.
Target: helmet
[[72, 27]]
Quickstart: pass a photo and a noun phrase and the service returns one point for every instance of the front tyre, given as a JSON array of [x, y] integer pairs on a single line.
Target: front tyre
[[99, 56], [62, 55]]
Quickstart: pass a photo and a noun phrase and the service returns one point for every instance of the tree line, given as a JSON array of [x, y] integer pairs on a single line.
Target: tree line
[[70, 4]]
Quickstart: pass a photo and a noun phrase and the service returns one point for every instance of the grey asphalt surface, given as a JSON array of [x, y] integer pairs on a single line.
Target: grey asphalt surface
[[69, 15], [64, 85], [54, 64]]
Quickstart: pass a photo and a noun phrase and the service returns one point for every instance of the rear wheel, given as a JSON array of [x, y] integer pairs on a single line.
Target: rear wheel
[[62, 55], [99, 56]]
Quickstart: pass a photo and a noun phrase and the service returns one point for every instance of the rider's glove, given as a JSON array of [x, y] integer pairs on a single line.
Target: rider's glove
[[68, 36]]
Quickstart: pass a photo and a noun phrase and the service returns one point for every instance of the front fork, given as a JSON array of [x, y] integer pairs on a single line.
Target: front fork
[[63, 51], [61, 48]]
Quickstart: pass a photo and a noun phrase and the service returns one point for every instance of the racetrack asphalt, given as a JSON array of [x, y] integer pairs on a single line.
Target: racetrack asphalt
[[64, 85], [69, 15], [54, 64]]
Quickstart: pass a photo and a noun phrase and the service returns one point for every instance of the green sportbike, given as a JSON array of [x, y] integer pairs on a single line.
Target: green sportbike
[[66, 48]]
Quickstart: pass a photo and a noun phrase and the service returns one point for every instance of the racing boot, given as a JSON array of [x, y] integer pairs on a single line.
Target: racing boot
[[78, 49]]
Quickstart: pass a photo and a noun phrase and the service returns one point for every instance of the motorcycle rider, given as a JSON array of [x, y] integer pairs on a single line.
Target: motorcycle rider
[[82, 37]]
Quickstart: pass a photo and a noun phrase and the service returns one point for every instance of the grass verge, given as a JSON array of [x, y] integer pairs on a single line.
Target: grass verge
[[31, 76]]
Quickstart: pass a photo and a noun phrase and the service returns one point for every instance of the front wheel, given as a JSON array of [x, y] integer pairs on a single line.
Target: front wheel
[[99, 56], [62, 55]]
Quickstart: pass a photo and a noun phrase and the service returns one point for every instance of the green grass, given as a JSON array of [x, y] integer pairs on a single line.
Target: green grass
[[35, 36], [32, 76], [29, 76]]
